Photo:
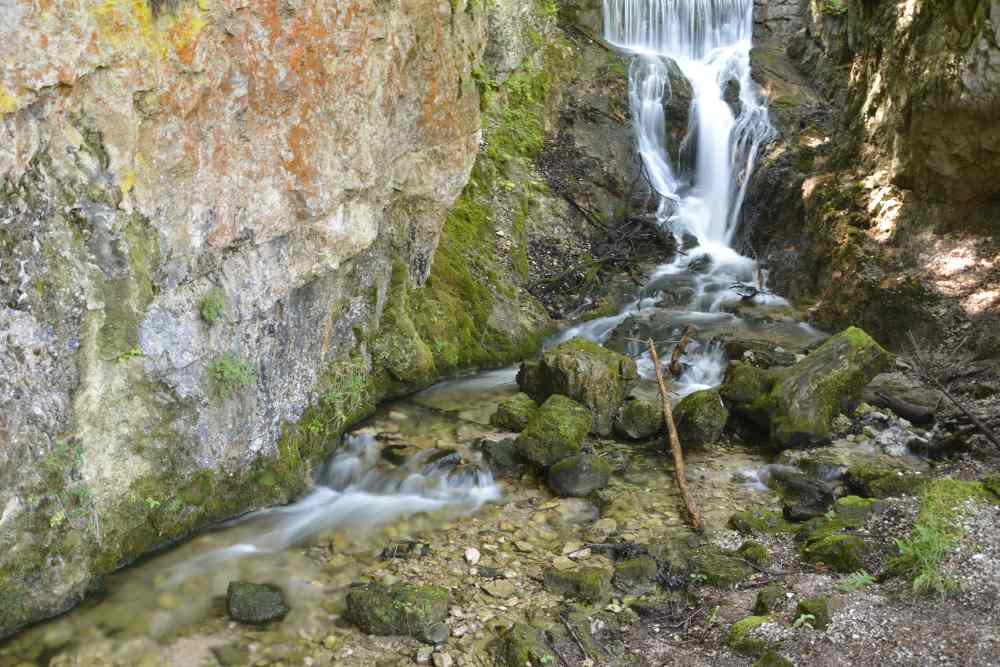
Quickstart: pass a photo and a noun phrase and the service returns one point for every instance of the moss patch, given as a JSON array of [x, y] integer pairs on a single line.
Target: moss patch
[[741, 638]]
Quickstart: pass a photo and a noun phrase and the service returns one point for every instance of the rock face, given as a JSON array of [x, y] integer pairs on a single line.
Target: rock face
[[586, 372], [797, 405], [884, 165], [228, 231]]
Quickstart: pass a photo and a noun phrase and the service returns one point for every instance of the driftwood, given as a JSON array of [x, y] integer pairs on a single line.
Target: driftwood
[[675, 358], [923, 368], [675, 443], [918, 414]]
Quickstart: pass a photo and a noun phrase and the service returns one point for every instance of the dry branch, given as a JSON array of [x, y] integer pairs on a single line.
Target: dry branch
[[675, 358], [675, 443]]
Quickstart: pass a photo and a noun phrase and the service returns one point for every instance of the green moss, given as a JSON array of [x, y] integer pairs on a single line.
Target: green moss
[[747, 390], [741, 638], [515, 413], [818, 608], [854, 510], [524, 645], [228, 374], [587, 584], [715, 567], [841, 553], [636, 576], [759, 521], [877, 481], [701, 417], [127, 296], [773, 659], [555, 432], [212, 306], [769, 600], [754, 552], [400, 609]]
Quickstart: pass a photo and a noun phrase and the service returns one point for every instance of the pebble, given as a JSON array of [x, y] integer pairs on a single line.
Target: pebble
[[570, 547], [424, 655], [563, 563], [472, 555], [443, 660], [501, 588], [330, 641], [524, 547]]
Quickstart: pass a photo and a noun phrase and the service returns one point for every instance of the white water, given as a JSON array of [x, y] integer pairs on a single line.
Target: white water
[[709, 41]]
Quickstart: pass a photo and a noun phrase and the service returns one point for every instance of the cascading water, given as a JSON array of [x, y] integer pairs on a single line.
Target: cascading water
[[699, 202]]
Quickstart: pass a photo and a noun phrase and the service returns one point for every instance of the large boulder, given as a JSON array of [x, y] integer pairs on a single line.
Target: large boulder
[[641, 415], [700, 418], [586, 372], [797, 405], [555, 432], [514, 413], [400, 609]]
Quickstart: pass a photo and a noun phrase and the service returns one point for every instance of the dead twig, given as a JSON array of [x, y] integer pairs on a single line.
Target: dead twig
[[675, 444], [675, 358], [923, 369], [576, 638]]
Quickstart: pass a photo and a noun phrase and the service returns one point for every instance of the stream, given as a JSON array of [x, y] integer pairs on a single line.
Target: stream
[[363, 499]]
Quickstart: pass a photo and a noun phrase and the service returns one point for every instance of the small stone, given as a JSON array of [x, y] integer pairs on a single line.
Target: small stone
[[472, 555], [330, 642], [524, 547], [500, 588], [443, 660], [570, 547], [563, 563], [255, 603], [579, 475], [423, 656]]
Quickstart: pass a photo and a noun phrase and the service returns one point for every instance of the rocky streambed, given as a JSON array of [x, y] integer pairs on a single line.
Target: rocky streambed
[[568, 542]]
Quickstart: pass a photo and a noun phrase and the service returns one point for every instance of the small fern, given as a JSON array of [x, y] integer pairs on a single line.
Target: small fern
[[804, 619], [855, 582]]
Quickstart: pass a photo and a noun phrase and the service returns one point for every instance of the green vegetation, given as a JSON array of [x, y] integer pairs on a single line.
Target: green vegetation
[[855, 582], [228, 374], [834, 7], [212, 306]]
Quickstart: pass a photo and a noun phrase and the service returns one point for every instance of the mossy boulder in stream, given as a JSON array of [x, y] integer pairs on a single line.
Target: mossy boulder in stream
[[514, 413], [700, 417], [400, 609], [639, 418], [555, 432], [579, 475], [255, 604], [586, 372], [797, 405]]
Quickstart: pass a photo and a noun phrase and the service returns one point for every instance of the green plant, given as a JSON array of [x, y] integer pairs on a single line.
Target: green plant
[[152, 503], [921, 556], [834, 7], [804, 619], [229, 373], [212, 305], [347, 391], [855, 582]]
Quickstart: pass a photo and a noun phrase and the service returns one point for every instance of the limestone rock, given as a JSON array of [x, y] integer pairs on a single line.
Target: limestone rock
[[514, 413], [586, 372], [701, 417], [555, 432], [400, 609], [579, 475], [256, 604], [587, 584]]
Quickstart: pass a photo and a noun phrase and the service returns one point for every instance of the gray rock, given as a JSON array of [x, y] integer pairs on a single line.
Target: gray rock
[[579, 475], [255, 604]]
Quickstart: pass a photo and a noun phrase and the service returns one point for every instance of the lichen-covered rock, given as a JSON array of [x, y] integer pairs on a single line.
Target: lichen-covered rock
[[701, 417], [555, 432], [255, 604], [579, 475], [514, 413], [797, 405], [636, 576], [818, 608], [524, 645], [639, 418], [841, 553], [400, 609], [587, 584], [769, 599], [741, 638], [586, 372], [749, 522]]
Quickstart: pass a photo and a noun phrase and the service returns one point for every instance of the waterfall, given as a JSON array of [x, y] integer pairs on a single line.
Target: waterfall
[[710, 42]]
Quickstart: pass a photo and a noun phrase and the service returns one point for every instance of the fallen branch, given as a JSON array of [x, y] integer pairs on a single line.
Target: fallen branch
[[924, 371], [675, 358], [576, 638], [917, 414], [675, 444]]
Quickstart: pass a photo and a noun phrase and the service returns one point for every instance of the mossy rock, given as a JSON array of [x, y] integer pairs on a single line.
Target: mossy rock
[[841, 553], [869, 480], [586, 372], [255, 604], [718, 568], [818, 608], [524, 645], [746, 391], [854, 510], [803, 497], [741, 638], [763, 522], [639, 418], [701, 418], [769, 600], [773, 659], [754, 552], [822, 527], [555, 432], [514, 413], [587, 584], [501, 456], [636, 576], [400, 609], [579, 475], [992, 484]]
